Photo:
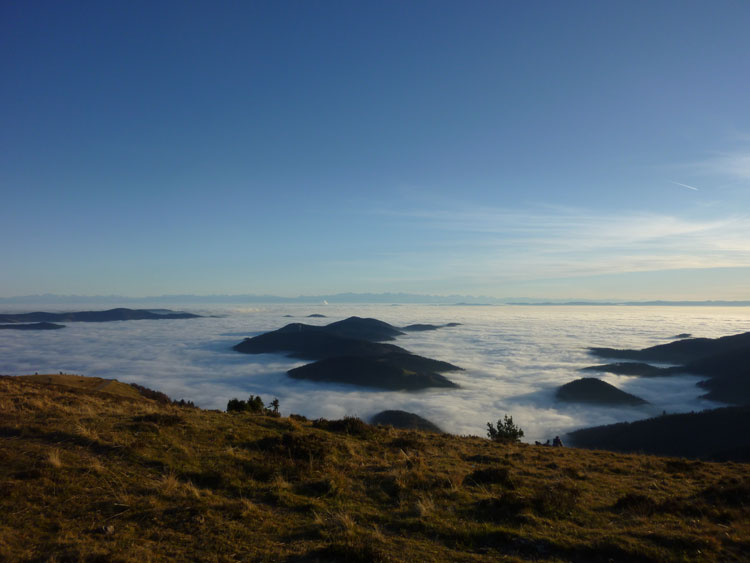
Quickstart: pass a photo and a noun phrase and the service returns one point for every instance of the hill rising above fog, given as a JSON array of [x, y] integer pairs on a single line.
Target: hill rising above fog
[[725, 361], [31, 326], [120, 314], [351, 351], [681, 351], [595, 391], [388, 372]]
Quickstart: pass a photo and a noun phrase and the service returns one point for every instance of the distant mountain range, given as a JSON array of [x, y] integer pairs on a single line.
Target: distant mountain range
[[387, 298], [708, 303], [253, 298]]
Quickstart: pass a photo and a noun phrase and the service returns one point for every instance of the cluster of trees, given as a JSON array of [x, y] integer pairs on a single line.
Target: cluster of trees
[[160, 397], [254, 405], [504, 431]]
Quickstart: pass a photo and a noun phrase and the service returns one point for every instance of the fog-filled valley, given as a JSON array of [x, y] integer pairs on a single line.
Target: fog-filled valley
[[514, 359]]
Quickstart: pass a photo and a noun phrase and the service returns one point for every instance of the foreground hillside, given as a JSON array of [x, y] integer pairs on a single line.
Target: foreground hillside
[[91, 471]]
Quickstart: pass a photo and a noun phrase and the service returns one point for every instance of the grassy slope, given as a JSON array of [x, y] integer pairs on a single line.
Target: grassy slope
[[89, 475], [109, 386]]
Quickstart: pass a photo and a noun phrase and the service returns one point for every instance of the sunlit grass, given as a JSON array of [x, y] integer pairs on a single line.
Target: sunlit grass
[[86, 475]]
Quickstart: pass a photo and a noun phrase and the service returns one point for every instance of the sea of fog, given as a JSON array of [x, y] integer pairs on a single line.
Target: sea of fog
[[514, 358]]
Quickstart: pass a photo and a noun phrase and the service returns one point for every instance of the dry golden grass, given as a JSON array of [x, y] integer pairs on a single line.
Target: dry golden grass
[[87, 476], [53, 458], [109, 386]]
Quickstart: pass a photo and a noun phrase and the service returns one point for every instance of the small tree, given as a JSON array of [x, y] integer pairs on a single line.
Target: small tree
[[235, 405], [504, 431], [253, 405]]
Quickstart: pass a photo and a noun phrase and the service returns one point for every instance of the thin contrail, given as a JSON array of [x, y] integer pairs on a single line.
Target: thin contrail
[[685, 185]]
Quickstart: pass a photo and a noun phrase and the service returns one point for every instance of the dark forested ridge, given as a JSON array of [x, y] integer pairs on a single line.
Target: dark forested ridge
[[120, 314], [309, 343], [387, 372], [680, 351], [712, 434], [32, 326], [724, 361], [425, 327], [718, 434], [351, 351]]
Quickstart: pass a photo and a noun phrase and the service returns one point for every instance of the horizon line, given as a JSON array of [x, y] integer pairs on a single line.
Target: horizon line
[[363, 297]]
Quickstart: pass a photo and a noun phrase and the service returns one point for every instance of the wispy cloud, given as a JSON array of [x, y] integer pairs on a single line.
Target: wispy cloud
[[506, 244], [685, 185], [735, 164]]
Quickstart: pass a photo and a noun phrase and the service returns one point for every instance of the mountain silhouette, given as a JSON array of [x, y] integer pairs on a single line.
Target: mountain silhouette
[[120, 314], [725, 361], [403, 419], [592, 390], [351, 351], [32, 326]]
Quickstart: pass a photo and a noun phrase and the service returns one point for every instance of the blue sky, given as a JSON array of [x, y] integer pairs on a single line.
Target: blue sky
[[544, 149]]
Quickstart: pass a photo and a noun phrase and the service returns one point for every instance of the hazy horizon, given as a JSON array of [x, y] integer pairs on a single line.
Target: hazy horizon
[[53, 299]]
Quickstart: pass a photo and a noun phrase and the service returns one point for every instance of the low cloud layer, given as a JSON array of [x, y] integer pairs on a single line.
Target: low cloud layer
[[514, 358]]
